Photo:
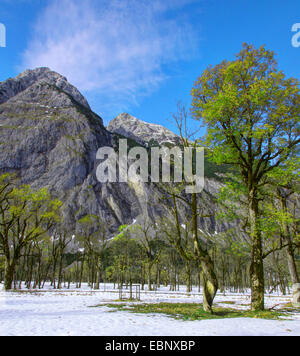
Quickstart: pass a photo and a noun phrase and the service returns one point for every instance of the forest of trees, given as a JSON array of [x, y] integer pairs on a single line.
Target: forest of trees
[[132, 257], [251, 113], [147, 254]]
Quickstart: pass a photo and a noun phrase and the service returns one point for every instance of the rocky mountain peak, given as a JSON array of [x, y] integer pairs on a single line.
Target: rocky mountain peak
[[14, 86], [49, 138], [141, 131]]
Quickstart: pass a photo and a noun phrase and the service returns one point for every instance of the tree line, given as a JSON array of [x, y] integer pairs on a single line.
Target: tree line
[[37, 251]]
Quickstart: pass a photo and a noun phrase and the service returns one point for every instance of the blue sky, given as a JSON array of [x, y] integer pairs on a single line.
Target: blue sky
[[141, 56]]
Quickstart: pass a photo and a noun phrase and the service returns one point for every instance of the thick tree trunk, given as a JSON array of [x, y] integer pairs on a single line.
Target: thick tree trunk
[[188, 277], [143, 277], [98, 274], [256, 267], [257, 278], [287, 237], [292, 264], [81, 270], [60, 268], [199, 280], [9, 276], [210, 283], [149, 276], [158, 277], [54, 273]]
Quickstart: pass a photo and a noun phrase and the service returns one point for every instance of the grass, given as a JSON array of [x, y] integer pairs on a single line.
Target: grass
[[229, 302], [193, 311]]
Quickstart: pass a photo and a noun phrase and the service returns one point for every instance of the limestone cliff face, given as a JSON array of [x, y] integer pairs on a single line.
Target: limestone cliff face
[[49, 137], [12, 87], [140, 131]]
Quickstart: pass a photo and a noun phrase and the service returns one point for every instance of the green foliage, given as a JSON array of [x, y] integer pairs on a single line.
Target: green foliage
[[250, 109], [26, 215], [25, 202], [252, 113], [122, 233], [87, 219]]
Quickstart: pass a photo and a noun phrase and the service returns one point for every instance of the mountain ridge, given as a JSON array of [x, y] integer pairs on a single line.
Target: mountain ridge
[[49, 137], [140, 131], [13, 86]]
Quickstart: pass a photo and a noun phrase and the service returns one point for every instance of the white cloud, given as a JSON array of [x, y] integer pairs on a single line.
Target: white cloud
[[114, 49]]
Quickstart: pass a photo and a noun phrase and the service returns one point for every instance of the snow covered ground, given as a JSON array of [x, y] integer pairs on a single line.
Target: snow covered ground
[[69, 312]]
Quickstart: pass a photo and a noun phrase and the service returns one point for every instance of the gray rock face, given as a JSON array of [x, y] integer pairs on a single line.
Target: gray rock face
[[12, 87], [49, 137], [140, 131]]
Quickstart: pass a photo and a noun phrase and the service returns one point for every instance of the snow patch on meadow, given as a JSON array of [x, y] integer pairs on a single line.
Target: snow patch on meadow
[[70, 312]]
